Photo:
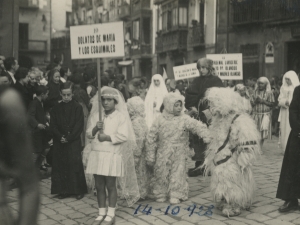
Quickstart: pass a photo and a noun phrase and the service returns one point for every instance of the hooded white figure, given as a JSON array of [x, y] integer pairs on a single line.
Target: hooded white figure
[[232, 151], [289, 82], [154, 98], [167, 149], [136, 110]]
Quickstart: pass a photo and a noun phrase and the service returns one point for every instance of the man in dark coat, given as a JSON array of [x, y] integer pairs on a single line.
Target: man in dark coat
[[194, 95], [66, 123], [289, 181]]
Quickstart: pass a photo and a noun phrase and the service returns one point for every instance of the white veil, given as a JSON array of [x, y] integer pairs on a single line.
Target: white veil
[[154, 92], [127, 185]]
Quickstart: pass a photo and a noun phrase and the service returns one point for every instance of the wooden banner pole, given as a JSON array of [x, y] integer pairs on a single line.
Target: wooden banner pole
[[99, 89]]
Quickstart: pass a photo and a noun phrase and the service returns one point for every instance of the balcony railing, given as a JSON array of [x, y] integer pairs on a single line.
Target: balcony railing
[[196, 36], [31, 4], [37, 46], [142, 50], [172, 40], [256, 11], [157, 2]]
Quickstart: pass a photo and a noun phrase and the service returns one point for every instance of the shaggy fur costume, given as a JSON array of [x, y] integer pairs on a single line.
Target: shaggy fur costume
[[232, 182], [168, 149], [136, 111]]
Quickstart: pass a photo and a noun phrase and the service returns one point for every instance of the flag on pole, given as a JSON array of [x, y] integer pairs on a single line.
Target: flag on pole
[[165, 76]]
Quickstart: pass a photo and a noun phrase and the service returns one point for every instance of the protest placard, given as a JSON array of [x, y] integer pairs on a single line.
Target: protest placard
[[97, 40], [228, 66], [185, 71]]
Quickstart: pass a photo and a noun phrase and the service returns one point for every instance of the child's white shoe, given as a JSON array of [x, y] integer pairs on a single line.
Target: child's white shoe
[[174, 201]]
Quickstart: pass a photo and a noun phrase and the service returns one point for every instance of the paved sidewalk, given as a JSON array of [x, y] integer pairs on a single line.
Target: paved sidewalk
[[194, 211]]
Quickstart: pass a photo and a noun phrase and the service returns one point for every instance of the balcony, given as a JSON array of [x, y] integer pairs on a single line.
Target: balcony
[[196, 36], [259, 11], [172, 41], [29, 4], [124, 12], [157, 2], [33, 46]]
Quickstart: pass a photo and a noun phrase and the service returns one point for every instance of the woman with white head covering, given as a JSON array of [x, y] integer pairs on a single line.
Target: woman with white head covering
[[154, 98], [262, 102], [289, 82]]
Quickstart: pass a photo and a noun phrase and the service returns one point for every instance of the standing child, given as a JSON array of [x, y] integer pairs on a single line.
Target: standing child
[[168, 149], [262, 102], [136, 111], [38, 125], [67, 124], [111, 157]]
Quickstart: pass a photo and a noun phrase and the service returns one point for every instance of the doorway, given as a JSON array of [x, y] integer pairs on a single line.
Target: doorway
[[293, 56]]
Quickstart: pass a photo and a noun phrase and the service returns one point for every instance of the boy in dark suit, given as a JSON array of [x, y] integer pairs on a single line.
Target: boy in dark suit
[[37, 122]]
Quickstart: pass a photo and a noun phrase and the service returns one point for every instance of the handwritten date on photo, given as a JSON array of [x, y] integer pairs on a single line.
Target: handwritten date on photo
[[176, 209]]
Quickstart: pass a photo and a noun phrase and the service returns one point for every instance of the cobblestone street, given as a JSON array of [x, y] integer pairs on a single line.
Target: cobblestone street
[[264, 210]]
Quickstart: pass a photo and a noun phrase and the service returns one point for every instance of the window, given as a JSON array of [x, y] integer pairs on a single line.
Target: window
[[68, 19], [183, 16], [136, 30], [146, 30], [174, 14], [23, 35], [201, 19], [89, 17], [83, 15]]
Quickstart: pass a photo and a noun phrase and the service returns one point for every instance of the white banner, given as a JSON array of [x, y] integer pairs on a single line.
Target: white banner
[[97, 41], [186, 71], [228, 66]]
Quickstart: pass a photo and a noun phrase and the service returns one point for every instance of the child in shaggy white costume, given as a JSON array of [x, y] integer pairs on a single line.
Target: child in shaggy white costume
[[136, 110], [232, 151], [167, 149]]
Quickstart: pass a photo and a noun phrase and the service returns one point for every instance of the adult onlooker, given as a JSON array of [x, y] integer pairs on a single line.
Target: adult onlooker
[[34, 78], [289, 181], [194, 94], [22, 78], [54, 88], [5, 79], [11, 66]]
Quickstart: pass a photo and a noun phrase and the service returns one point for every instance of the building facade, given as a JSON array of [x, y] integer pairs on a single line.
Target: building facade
[[34, 32], [9, 28], [185, 32], [266, 32]]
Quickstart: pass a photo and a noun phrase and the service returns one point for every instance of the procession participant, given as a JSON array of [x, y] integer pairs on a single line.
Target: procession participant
[[67, 123], [231, 153], [167, 149], [242, 90], [154, 98], [16, 161], [289, 182], [289, 82], [111, 156], [136, 109], [193, 96], [262, 102]]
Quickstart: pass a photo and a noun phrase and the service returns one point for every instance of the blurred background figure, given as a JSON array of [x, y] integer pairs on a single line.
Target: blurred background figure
[[16, 160]]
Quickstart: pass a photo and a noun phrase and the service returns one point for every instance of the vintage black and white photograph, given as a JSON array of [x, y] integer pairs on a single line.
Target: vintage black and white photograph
[[140, 112]]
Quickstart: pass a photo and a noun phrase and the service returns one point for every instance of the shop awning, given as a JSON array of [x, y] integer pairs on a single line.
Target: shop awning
[[125, 63]]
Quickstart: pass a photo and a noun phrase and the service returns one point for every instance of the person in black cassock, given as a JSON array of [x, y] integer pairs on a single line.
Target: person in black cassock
[[67, 125], [289, 181], [194, 94]]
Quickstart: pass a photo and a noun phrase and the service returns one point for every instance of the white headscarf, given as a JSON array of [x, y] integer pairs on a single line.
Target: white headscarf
[[127, 185], [265, 81], [154, 94], [294, 80]]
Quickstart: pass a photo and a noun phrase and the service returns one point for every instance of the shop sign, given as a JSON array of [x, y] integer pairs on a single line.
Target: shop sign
[[269, 53]]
